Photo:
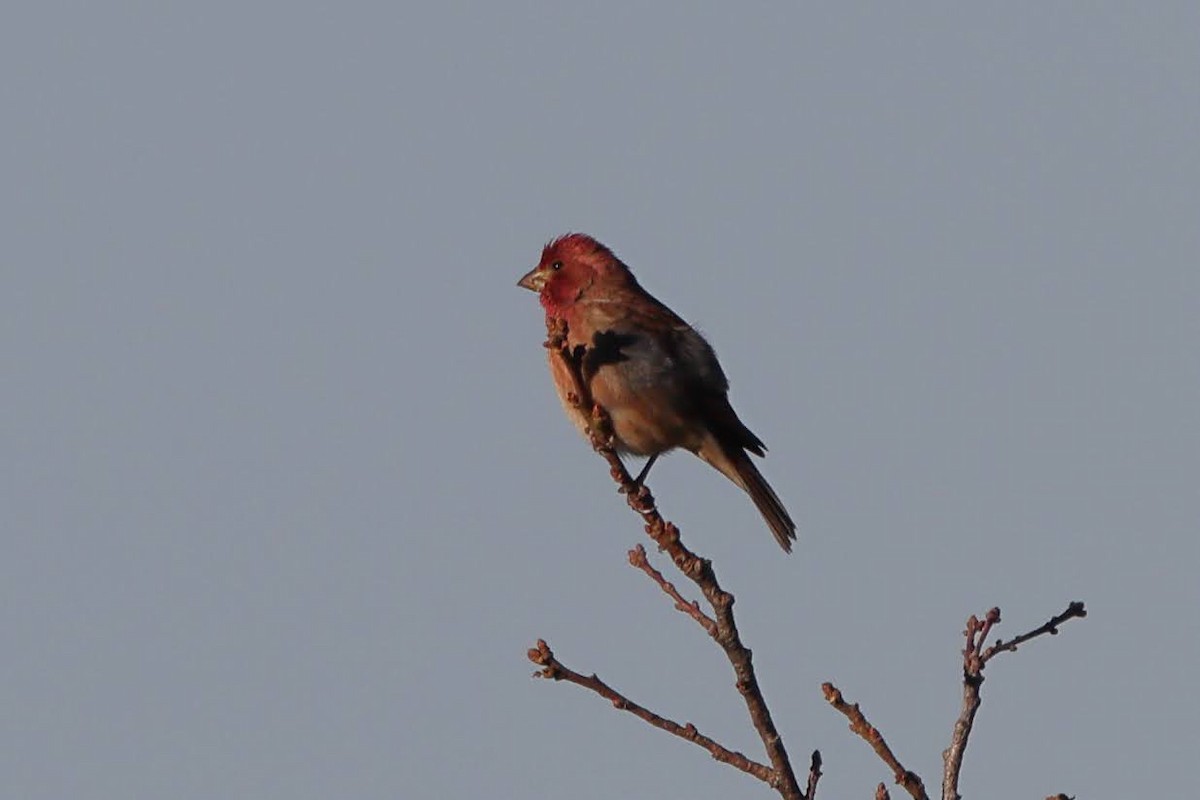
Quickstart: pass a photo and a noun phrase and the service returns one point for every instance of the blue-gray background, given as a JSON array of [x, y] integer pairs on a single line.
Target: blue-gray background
[[286, 493]]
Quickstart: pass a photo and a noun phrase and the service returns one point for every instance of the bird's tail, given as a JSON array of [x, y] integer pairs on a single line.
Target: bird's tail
[[735, 464], [767, 502]]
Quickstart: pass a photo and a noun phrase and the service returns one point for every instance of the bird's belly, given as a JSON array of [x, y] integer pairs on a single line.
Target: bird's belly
[[642, 436], [646, 421]]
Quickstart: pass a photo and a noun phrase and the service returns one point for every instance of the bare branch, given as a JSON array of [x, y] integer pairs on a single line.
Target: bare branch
[[881, 793], [910, 780], [637, 558], [975, 657], [553, 669], [699, 570]]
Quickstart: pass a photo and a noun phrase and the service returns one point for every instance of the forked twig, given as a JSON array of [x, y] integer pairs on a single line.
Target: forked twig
[[975, 657]]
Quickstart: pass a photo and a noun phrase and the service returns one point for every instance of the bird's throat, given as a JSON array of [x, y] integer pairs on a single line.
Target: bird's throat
[[558, 297]]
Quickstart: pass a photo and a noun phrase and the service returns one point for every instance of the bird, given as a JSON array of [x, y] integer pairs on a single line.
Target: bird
[[655, 376]]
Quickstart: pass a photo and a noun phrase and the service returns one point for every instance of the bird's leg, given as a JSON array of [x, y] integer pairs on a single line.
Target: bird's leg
[[645, 470], [638, 488]]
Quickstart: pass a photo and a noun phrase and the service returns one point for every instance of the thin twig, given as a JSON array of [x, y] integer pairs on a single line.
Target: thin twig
[[910, 780], [553, 669], [814, 775], [975, 657], [1075, 609], [698, 569], [637, 557], [881, 793]]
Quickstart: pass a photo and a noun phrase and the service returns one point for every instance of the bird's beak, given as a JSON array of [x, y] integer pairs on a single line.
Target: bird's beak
[[533, 280]]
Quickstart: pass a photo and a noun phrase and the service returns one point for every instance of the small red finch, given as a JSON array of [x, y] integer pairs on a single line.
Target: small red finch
[[654, 375]]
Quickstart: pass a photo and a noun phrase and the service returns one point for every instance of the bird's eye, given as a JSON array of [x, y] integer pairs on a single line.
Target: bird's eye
[[556, 266]]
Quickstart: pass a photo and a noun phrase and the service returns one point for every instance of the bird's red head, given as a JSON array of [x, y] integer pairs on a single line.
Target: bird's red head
[[569, 267]]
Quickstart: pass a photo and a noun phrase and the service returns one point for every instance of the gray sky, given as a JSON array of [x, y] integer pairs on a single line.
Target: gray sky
[[286, 491]]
